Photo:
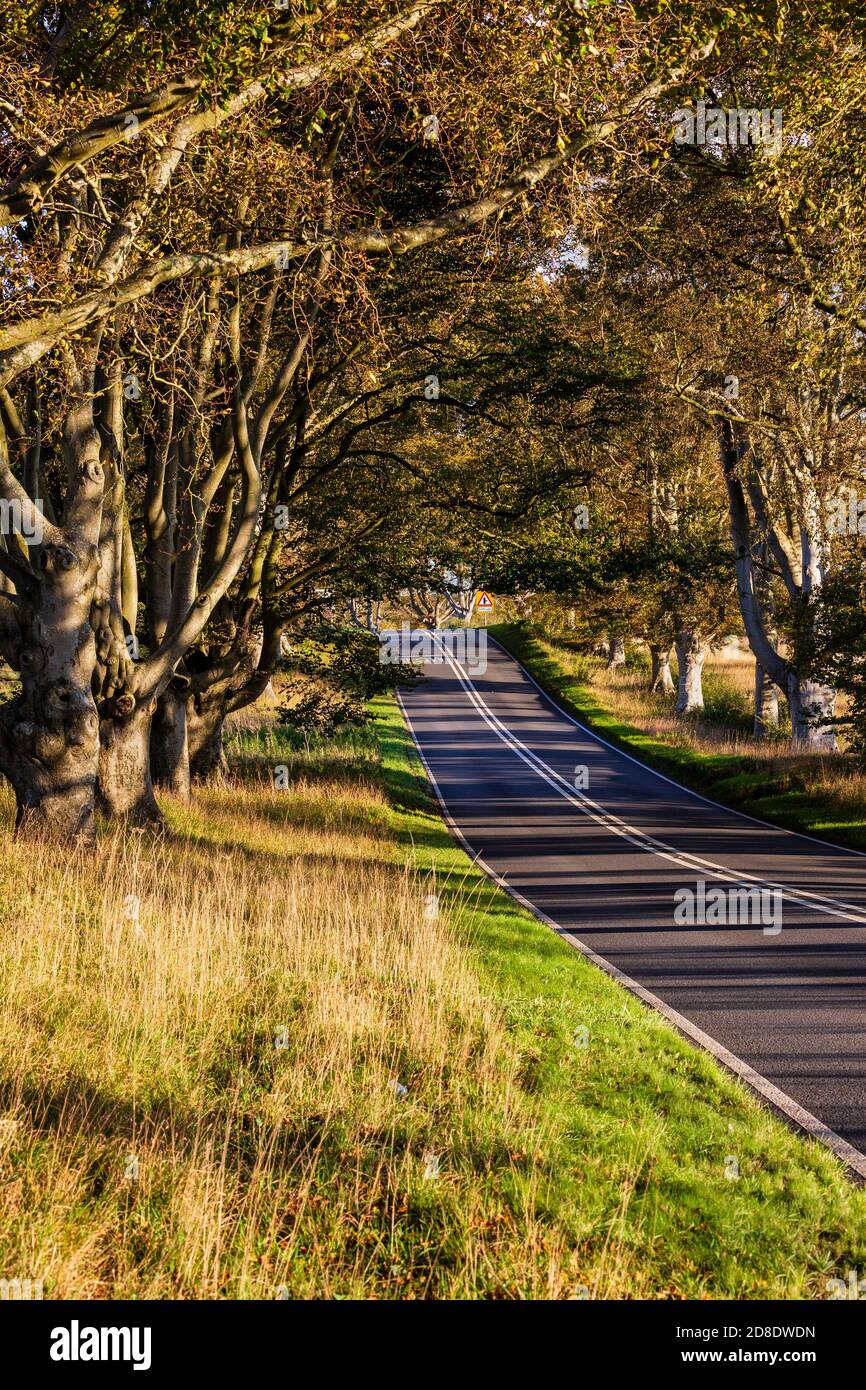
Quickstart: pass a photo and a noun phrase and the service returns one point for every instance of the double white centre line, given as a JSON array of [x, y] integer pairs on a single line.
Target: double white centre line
[[761, 1085], [832, 907]]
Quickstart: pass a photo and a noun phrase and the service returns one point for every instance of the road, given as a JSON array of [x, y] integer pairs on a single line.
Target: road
[[786, 1009]]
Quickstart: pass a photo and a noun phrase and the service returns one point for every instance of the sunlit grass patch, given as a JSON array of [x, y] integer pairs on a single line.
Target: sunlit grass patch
[[296, 1043], [667, 1174]]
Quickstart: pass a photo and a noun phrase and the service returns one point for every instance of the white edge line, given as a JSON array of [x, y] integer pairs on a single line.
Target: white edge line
[[680, 786], [832, 907], [853, 1159]]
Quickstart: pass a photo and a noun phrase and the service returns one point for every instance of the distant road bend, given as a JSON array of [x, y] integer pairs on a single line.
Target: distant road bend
[[787, 1011]]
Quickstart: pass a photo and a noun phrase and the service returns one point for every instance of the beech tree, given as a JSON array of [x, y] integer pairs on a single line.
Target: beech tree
[[144, 252], [740, 262]]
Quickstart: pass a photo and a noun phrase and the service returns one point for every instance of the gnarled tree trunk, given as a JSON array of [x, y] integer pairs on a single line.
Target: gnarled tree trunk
[[125, 787], [49, 734], [616, 655], [205, 721]]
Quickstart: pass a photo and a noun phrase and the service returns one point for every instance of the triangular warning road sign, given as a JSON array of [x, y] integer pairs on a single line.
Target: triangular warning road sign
[[483, 602]]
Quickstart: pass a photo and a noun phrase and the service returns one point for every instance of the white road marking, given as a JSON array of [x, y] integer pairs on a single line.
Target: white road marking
[[654, 772], [853, 1159], [683, 859]]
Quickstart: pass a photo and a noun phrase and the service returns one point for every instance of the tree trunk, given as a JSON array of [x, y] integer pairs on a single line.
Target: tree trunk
[[662, 681], [691, 652], [49, 734], [205, 740], [810, 703], [169, 748], [617, 653], [766, 703], [125, 788]]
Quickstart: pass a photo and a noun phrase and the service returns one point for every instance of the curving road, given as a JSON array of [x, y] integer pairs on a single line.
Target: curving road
[[785, 1009]]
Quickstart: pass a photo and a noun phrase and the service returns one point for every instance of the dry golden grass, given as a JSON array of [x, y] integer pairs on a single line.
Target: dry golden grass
[[832, 782], [625, 694], [205, 1035], [158, 1140]]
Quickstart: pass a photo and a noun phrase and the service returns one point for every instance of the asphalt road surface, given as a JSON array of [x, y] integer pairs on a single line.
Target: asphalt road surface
[[784, 1008]]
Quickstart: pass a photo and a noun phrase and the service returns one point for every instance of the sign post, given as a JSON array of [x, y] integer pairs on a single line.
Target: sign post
[[483, 604]]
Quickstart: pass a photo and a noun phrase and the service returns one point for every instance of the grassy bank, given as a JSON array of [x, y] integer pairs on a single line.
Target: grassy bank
[[823, 795], [296, 1045]]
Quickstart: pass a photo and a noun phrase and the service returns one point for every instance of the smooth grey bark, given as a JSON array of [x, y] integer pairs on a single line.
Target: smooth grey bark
[[812, 706], [809, 702], [125, 778], [370, 618], [169, 744], [662, 681], [766, 703], [691, 652], [427, 607], [205, 739], [616, 653]]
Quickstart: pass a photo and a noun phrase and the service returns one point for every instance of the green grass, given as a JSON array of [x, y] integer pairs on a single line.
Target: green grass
[[798, 794], [564, 1170], [636, 1129]]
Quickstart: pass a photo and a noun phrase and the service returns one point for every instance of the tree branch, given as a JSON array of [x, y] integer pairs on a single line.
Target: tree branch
[[25, 342]]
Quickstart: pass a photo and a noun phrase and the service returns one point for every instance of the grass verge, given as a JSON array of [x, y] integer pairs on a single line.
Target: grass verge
[[820, 795], [636, 1130], [297, 1044]]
